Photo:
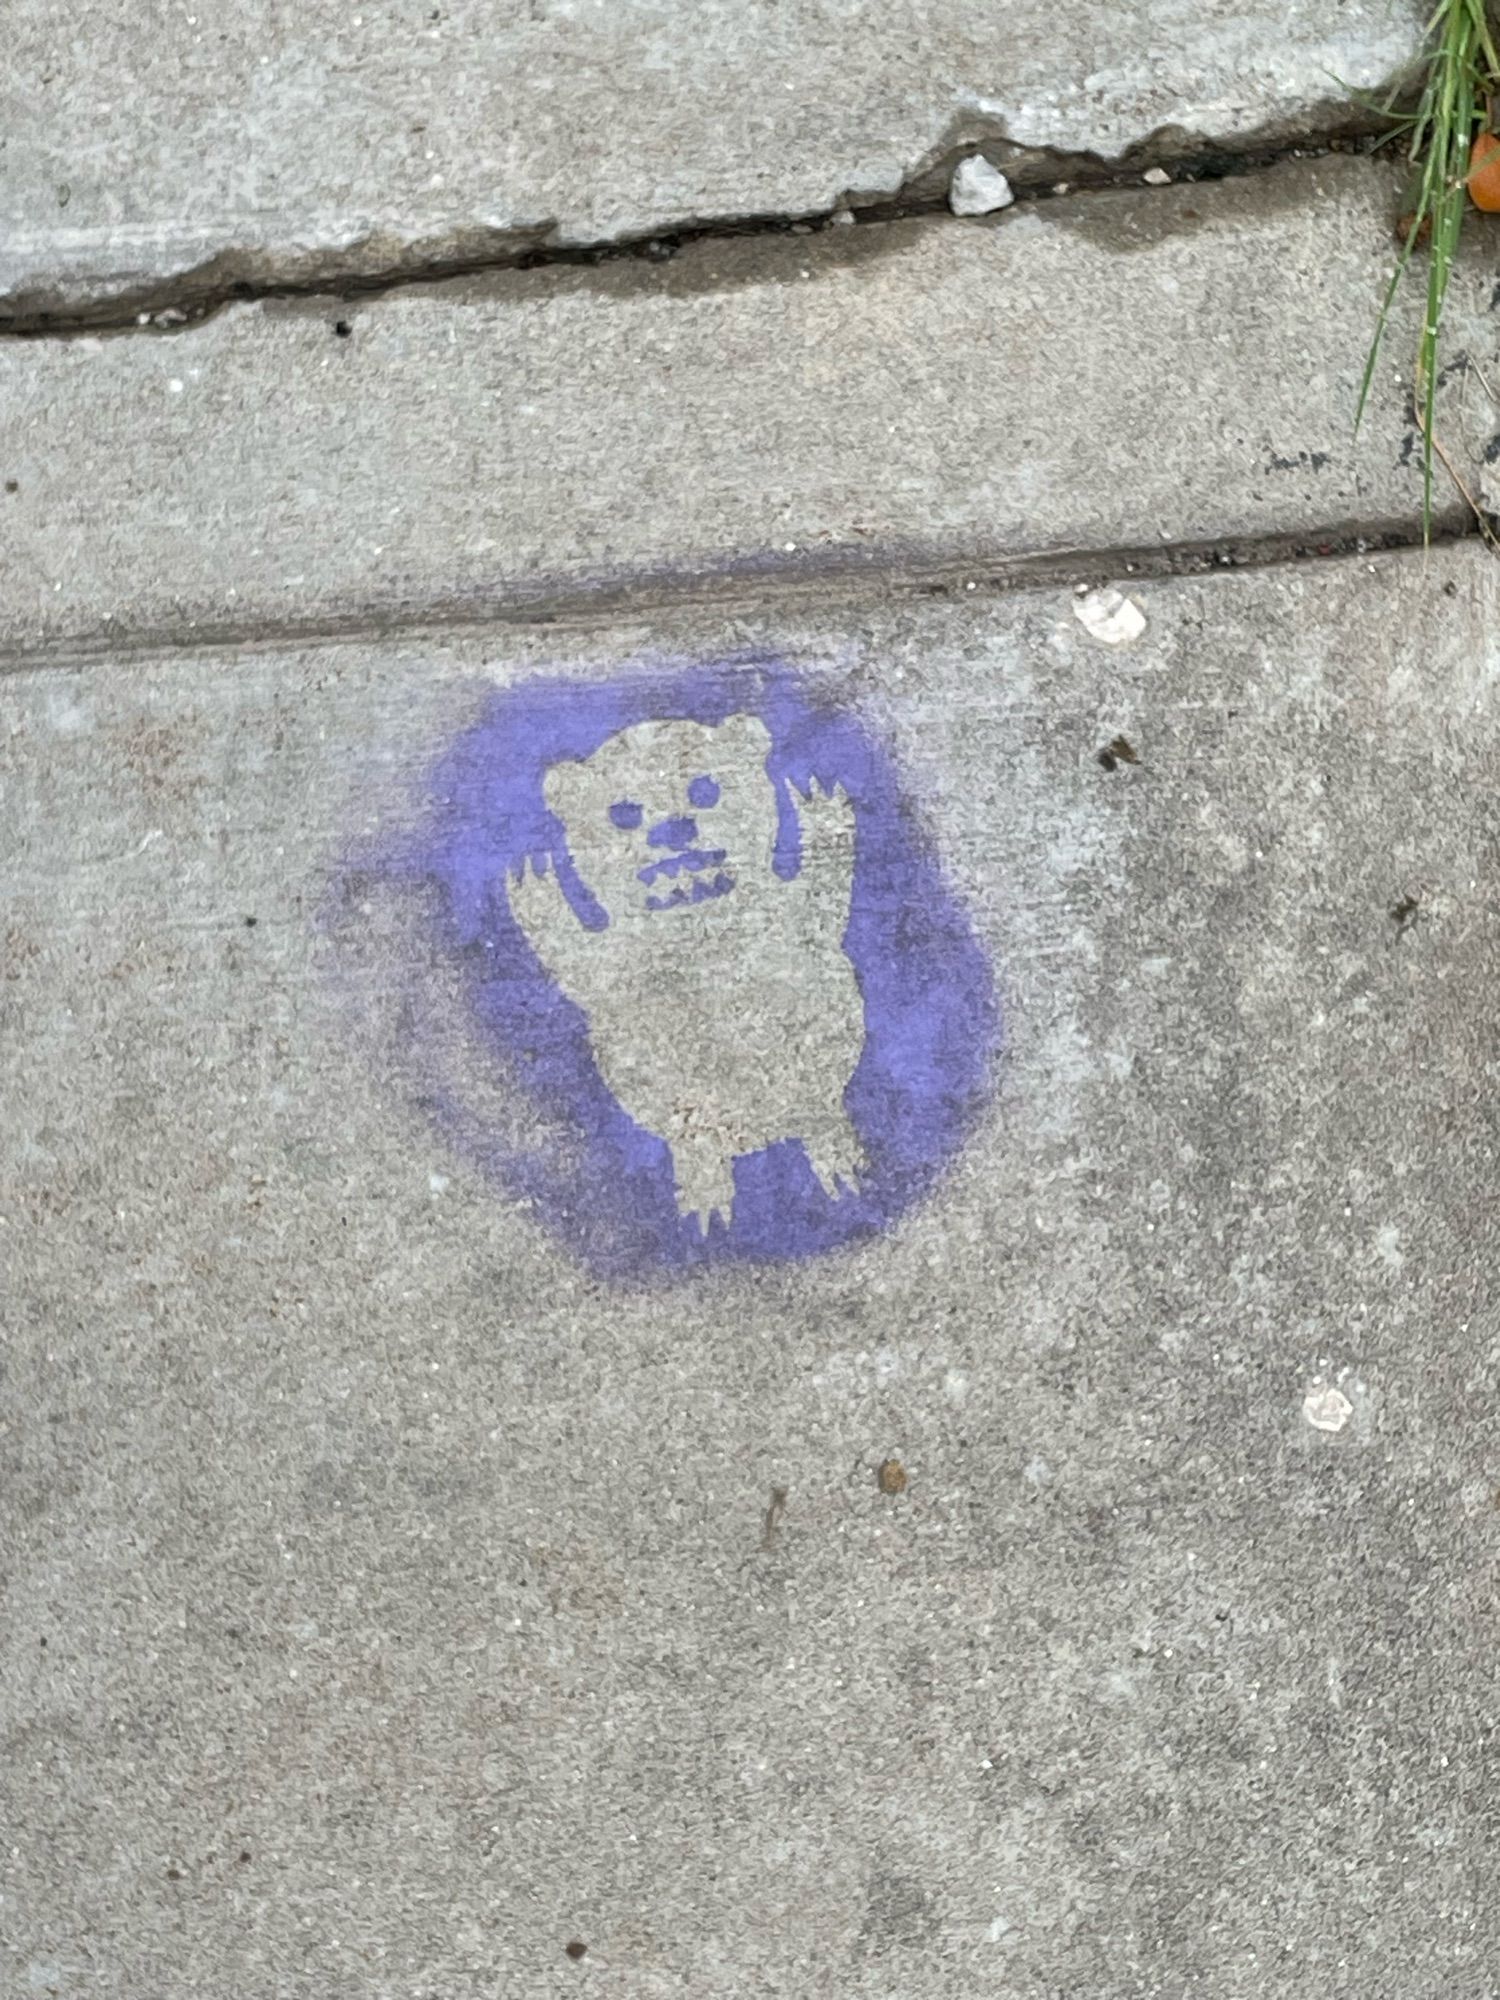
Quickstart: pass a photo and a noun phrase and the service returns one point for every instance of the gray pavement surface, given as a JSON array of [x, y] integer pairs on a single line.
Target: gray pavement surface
[[1125, 370], [263, 141], [1081, 1582], [391, 1607]]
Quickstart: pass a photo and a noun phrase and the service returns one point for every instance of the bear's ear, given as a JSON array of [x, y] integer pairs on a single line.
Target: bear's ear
[[746, 733]]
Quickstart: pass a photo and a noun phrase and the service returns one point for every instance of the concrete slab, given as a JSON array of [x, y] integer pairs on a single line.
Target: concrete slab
[[1124, 372], [265, 143], [394, 1606]]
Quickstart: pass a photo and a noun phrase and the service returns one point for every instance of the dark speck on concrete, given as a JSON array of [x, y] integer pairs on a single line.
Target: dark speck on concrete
[[771, 1523], [1404, 914], [576, 1948], [1313, 460], [898, 1911]]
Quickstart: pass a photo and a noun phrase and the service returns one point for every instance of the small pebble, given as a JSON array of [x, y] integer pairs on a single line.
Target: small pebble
[[1110, 616], [891, 1478], [1326, 1408], [1157, 177], [978, 188]]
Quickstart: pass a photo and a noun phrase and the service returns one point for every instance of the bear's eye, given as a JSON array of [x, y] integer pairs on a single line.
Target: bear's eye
[[626, 814], [703, 791]]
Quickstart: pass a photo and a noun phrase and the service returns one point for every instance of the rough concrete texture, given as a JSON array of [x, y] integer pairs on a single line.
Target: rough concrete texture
[[267, 142], [1123, 371], [391, 1607]]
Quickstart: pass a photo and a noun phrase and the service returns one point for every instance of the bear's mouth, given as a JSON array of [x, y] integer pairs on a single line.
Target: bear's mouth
[[692, 859], [698, 888], [692, 864], [701, 892]]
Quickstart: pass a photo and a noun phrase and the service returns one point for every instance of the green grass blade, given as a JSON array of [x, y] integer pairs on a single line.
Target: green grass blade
[[1462, 71]]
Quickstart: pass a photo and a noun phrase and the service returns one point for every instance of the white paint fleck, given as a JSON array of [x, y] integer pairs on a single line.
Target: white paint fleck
[[1388, 1246], [1326, 1408], [955, 1385], [65, 716], [1110, 616], [438, 1183], [999, 1928], [1038, 1471], [978, 187], [175, 386]]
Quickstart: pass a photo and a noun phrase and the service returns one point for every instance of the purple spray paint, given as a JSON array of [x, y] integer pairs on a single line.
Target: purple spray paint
[[748, 994]]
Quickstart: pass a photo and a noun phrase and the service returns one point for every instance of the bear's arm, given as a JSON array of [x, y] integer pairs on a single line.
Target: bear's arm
[[547, 922], [828, 833]]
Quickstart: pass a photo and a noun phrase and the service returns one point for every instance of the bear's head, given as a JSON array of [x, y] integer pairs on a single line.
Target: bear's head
[[668, 816]]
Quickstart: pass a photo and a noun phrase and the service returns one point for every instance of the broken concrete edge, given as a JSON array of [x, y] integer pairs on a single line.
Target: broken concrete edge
[[823, 577], [380, 259]]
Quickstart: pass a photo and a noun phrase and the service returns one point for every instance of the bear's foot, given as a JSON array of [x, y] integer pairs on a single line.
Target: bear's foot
[[836, 1157], [705, 1188]]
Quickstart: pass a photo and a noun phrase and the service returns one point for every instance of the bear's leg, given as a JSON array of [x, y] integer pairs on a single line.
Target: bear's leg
[[704, 1180], [835, 1154]]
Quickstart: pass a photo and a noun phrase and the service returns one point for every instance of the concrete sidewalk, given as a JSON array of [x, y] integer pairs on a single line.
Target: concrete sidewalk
[[393, 1605], [268, 145], [1120, 372], [747, 1128]]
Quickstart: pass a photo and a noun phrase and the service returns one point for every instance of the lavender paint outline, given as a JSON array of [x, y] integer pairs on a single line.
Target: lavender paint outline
[[931, 1019]]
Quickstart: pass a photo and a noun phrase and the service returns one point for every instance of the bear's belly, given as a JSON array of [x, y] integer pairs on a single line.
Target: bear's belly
[[751, 1054]]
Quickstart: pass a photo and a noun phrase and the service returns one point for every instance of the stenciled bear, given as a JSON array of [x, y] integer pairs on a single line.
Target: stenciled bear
[[723, 1012]]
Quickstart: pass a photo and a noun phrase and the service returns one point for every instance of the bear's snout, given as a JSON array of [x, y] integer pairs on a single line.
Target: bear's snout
[[679, 833]]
